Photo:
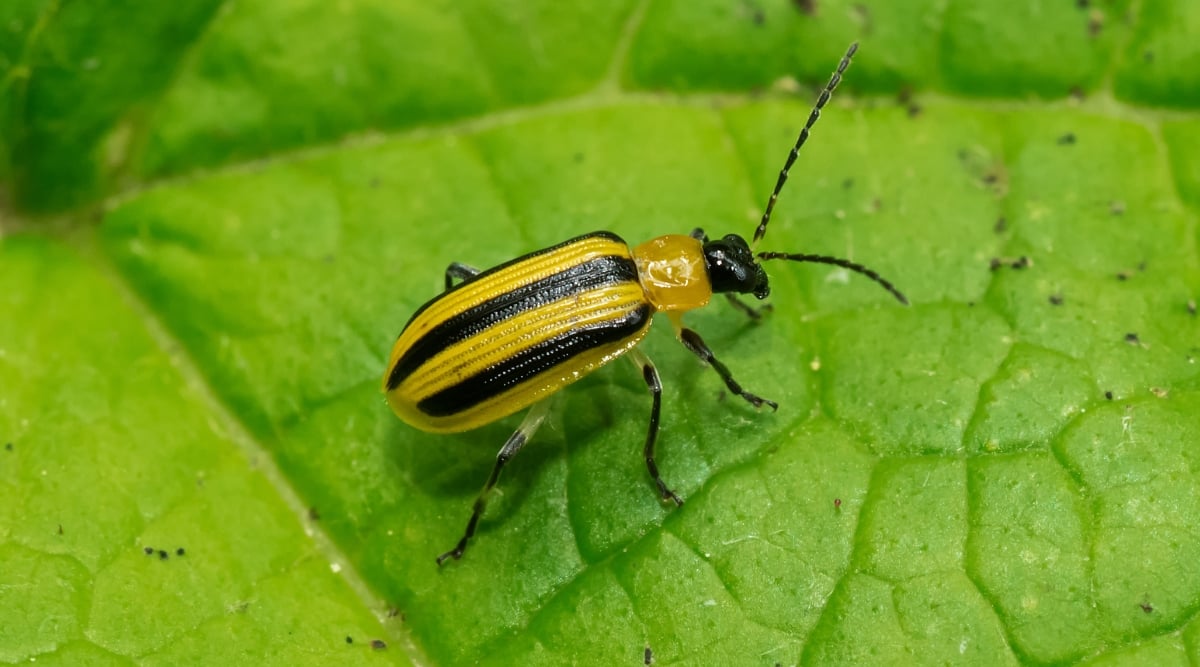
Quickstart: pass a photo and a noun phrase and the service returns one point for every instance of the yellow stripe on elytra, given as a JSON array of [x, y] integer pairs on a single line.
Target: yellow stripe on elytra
[[528, 392], [500, 341], [512, 277]]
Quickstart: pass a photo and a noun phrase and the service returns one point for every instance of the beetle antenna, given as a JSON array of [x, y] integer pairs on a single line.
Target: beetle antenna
[[812, 119], [844, 263]]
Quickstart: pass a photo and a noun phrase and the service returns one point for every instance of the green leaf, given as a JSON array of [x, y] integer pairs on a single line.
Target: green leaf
[[1006, 472], [138, 522]]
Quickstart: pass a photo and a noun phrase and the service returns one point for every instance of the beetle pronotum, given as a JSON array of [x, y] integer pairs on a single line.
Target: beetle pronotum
[[507, 338]]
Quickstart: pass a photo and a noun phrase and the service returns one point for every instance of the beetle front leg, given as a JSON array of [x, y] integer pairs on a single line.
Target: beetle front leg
[[692, 341]]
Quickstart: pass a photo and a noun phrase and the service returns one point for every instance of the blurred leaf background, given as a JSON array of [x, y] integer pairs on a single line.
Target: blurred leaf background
[[216, 216]]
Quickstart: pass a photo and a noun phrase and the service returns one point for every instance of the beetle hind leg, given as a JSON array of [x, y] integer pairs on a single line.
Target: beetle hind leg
[[650, 374], [533, 419]]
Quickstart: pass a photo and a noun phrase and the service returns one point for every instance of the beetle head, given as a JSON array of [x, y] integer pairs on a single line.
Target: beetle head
[[732, 267]]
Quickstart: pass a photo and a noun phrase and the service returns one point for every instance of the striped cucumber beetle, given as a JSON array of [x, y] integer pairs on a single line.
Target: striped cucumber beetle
[[507, 338]]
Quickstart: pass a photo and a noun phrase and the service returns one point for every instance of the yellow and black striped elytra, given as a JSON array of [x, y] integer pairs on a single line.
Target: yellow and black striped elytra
[[507, 338]]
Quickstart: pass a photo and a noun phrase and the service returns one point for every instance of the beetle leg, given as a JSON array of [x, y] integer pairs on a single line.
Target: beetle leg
[[460, 271], [692, 341], [753, 313], [533, 419], [650, 373], [699, 235]]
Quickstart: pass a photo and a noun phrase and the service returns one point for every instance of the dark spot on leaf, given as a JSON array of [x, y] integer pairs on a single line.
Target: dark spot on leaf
[[1108, 395], [60, 530], [1083, 4], [647, 656], [1123, 275], [1159, 392], [1146, 606], [8, 446], [1056, 299], [1132, 338], [378, 644], [349, 639], [756, 12], [905, 99], [1001, 225], [149, 551], [1022, 262], [180, 551], [313, 514], [163, 555], [1067, 139], [1095, 22], [808, 7], [1077, 93], [837, 503], [981, 164]]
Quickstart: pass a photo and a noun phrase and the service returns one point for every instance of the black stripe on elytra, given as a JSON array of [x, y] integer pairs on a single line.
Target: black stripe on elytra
[[500, 267], [590, 275], [532, 360]]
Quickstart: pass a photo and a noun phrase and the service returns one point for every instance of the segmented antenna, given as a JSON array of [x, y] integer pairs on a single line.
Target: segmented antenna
[[836, 261], [812, 119]]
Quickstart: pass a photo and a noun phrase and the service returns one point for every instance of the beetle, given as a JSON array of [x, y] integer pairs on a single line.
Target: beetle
[[507, 338]]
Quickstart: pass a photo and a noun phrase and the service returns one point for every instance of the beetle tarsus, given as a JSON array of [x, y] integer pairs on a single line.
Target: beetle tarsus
[[454, 553], [668, 494], [758, 401]]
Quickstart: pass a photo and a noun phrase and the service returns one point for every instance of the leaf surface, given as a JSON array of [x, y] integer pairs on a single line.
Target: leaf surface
[[1006, 472]]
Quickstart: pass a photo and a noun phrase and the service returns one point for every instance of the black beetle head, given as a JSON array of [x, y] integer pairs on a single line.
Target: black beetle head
[[733, 268]]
